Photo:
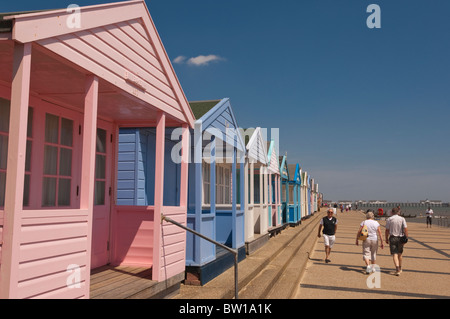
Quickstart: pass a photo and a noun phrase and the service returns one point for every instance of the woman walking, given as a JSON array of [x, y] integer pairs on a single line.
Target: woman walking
[[370, 245]]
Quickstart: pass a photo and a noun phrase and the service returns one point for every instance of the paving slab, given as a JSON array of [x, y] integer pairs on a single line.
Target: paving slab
[[426, 266]]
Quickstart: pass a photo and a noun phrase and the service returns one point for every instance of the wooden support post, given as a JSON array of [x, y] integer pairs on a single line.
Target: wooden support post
[[212, 192], [198, 170], [270, 203], [88, 163], [157, 273], [184, 171], [234, 201], [20, 92]]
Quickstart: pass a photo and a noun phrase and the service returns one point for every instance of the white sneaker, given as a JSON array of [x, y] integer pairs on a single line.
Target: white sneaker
[[368, 269]]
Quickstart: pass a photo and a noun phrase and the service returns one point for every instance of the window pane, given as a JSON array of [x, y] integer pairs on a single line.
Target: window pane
[[65, 162], [30, 122], [48, 191], [227, 195], [26, 191], [101, 141], [100, 166], [3, 151], [51, 128], [66, 132], [99, 194], [50, 160], [28, 157], [2, 188], [207, 192], [64, 192], [4, 115]]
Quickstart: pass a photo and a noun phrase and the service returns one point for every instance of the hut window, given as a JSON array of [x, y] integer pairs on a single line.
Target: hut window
[[4, 134], [4, 131], [283, 192], [291, 194], [206, 183], [223, 185], [100, 168], [58, 151]]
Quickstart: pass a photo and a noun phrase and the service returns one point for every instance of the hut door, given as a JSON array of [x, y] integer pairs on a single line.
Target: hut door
[[102, 196]]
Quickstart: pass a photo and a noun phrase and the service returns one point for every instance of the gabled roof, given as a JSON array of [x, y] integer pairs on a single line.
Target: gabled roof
[[256, 147], [117, 42], [295, 172], [305, 178], [200, 108], [272, 155], [284, 169], [218, 115]]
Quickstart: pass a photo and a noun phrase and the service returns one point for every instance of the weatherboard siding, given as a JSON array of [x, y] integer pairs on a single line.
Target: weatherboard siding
[[116, 50], [48, 244]]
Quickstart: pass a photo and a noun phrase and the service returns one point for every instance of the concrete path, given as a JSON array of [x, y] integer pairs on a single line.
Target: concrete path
[[426, 266], [273, 271]]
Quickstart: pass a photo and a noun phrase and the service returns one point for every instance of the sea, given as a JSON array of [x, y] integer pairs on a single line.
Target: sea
[[413, 213]]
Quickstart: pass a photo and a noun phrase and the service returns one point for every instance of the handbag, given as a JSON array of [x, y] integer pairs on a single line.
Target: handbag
[[364, 233], [403, 239]]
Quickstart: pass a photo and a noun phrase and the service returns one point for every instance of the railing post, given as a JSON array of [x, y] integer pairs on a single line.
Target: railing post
[[233, 251]]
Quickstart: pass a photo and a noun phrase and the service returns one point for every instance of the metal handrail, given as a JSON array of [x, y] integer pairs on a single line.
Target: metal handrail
[[233, 251]]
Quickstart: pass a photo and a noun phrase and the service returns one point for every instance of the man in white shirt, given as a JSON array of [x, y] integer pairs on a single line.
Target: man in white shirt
[[396, 228], [429, 213]]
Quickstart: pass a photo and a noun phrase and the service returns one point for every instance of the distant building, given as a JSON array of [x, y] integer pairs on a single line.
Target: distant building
[[431, 202]]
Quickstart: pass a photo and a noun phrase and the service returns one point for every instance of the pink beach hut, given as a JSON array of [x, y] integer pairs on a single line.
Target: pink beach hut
[[69, 82]]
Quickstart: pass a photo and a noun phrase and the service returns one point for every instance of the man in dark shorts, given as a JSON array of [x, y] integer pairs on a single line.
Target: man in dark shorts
[[329, 225], [396, 228]]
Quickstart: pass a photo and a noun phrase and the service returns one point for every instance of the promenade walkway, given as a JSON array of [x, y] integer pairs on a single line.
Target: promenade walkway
[[426, 266]]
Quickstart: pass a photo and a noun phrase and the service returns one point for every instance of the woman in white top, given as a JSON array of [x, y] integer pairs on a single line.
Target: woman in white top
[[370, 245]]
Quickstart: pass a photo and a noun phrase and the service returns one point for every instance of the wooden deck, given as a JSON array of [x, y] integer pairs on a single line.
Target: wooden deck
[[110, 282], [119, 282]]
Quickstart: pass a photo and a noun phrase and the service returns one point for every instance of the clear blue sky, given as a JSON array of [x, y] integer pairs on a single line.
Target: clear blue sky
[[365, 111]]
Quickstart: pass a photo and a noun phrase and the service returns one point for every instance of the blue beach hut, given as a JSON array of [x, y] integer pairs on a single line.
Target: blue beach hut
[[284, 176], [215, 190], [294, 211]]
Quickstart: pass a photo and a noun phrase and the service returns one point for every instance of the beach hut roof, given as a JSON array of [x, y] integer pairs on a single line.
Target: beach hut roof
[[218, 115], [256, 147], [119, 43], [295, 171], [284, 169], [200, 108], [272, 156]]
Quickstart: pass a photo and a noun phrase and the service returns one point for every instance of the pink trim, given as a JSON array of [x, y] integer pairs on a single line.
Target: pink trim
[[88, 161], [184, 165], [20, 92], [41, 25], [159, 192]]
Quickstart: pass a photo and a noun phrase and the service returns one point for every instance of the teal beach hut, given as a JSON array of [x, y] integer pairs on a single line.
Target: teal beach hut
[[284, 176], [294, 207]]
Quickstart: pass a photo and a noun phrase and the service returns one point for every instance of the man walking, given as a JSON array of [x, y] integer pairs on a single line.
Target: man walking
[[429, 214], [396, 230], [329, 225]]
